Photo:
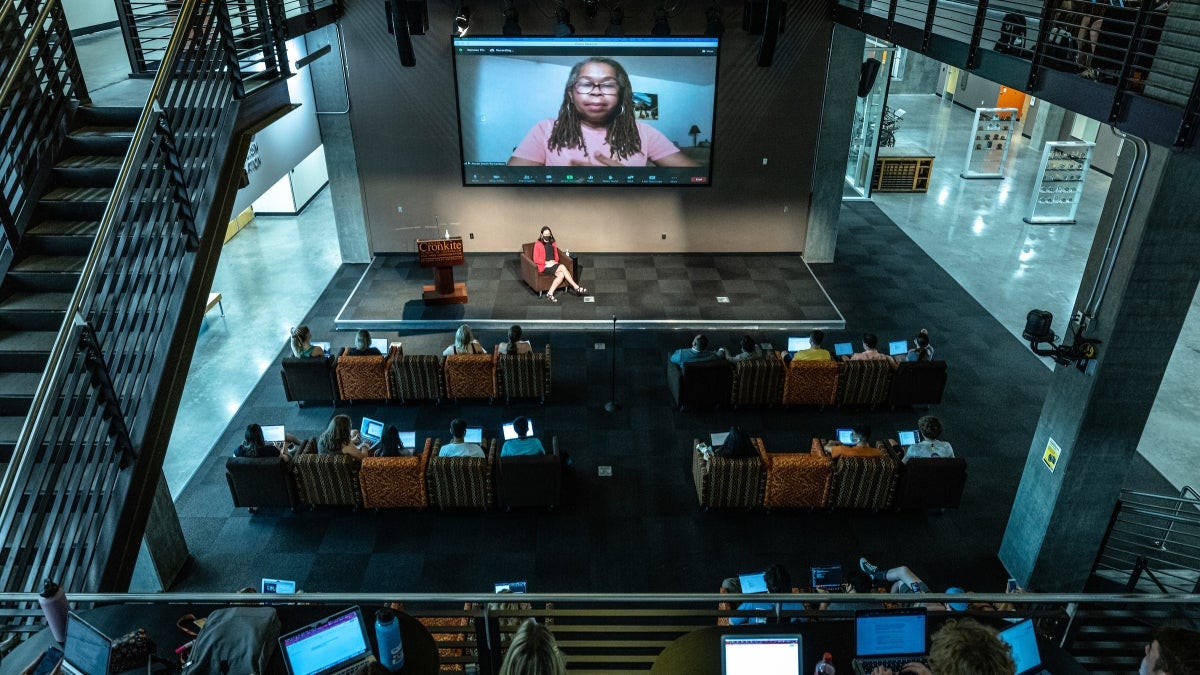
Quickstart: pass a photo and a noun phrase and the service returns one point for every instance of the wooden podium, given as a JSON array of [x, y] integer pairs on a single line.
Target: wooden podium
[[442, 255]]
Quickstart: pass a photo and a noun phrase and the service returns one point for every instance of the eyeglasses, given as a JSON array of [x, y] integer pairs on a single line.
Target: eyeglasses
[[607, 87]]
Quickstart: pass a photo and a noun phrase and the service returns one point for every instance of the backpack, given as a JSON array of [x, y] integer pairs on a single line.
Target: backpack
[[1060, 49], [234, 641]]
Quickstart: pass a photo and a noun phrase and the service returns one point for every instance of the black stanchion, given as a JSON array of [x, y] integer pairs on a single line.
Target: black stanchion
[[612, 406]]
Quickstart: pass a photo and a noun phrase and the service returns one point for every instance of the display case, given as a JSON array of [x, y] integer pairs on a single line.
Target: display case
[[1059, 183], [988, 147]]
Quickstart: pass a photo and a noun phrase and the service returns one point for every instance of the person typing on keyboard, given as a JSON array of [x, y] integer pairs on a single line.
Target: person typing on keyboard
[[961, 647]]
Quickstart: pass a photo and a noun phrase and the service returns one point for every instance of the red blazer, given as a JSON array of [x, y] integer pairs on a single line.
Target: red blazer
[[539, 254]]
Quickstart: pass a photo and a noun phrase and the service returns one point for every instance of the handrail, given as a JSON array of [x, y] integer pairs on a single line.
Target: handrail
[[6, 88]]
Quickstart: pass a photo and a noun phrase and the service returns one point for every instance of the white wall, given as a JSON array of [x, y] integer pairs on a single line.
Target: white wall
[[83, 14]]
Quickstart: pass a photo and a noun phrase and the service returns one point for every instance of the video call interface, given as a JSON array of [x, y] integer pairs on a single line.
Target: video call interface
[[639, 111]]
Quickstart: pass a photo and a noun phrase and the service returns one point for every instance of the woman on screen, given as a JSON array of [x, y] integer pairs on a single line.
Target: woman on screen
[[596, 125]]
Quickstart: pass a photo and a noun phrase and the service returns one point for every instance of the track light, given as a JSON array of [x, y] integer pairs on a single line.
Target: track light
[[661, 24], [562, 21], [512, 18], [462, 21], [714, 26], [615, 17]]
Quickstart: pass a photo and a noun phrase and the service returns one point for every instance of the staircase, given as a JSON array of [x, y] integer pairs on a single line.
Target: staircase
[[1110, 639], [36, 291]]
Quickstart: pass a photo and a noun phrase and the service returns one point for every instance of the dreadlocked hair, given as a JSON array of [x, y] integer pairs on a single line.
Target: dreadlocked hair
[[622, 134]]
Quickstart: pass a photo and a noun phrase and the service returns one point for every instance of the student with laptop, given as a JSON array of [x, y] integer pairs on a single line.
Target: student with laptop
[[960, 647], [458, 447], [854, 442], [256, 444], [922, 352], [774, 580], [814, 352], [747, 349], [391, 444], [1174, 651], [869, 353], [362, 345], [931, 430], [698, 352], [302, 346], [521, 443], [338, 439]]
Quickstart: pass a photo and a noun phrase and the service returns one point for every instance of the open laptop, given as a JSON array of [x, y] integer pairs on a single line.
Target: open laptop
[[86, 650], [718, 438], [335, 644], [511, 433], [408, 439], [908, 438], [371, 430], [843, 349], [1023, 641], [761, 654], [274, 434], [326, 346], [753, 582], [278, 586], [799, 344], [510, 586], [381, 344], [473, 435], [890, 638], [826, 577], [897, 347], [845, 436]]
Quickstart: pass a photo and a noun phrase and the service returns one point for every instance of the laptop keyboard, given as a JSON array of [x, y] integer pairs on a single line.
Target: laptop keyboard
[[894, 665]]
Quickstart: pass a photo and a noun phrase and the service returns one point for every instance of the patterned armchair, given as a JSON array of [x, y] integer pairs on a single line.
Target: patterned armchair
[[364, 378], [523, 375], [722, 482], [929, 482], [701, 384], [758, 381], [328, 480], [795, 479], [539, 283], [534, 480], [865, 382], [308, 380], [862, 482], [918, 383], [811, 383], [420, 376], [471, 376], [390, 482], [462, 481]]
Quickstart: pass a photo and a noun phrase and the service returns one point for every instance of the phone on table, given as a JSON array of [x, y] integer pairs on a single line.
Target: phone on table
[[47, 663]]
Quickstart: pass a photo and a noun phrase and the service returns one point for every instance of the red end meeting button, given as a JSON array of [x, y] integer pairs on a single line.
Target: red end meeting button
[[699, 179]]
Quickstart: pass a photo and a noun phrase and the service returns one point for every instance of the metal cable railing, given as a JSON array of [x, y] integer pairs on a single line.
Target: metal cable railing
[[63, 495], [1155, 533]]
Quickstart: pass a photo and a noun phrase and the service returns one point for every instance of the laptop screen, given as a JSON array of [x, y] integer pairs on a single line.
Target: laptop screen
[[908, 438], [843, 349], [889, 632], [897, 347], [86, 649], [798, 344], [409, 439], [372, 430], [828, 577], [1024, 645], [336, 641], [753, 582], [510, 432], [510, 587], [845, 436], [381, 344], [273, 434], [760, 654], [474, 435], [278, 586], [325, 346]]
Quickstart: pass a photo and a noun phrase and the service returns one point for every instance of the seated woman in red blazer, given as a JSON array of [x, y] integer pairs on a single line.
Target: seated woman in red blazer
[[545, 255]]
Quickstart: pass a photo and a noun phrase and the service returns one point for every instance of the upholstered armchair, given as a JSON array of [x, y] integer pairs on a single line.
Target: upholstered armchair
[[811, 383], [727, 483], [700, 384], [758, 381], [395, 482], [256, 482], [918, 383], [530, 480], [536, 282], [417, 377], [364, 378], [328, 480], [928, 482], [523, 375], [310, 379], [471, 376], [795, 479], [865, 382], [862, 482], [462, 481]]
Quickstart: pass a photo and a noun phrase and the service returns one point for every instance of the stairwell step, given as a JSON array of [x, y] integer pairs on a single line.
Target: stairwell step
[[49, 264], [18, 385], [107, 116], [78, 194], [107, 162], [10, 428], [91, 131], [34, 311], [64, 228]]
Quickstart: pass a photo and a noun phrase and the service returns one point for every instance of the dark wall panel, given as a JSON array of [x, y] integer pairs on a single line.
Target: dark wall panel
[[406, 139]]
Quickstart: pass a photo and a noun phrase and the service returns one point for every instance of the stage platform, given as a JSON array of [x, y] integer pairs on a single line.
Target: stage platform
[[665, 291]]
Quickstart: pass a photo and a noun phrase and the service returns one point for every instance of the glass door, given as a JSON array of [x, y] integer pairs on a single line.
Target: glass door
[[864, 132]]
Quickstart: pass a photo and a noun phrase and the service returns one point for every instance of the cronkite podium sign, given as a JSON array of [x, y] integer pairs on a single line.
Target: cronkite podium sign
[[442, 255]]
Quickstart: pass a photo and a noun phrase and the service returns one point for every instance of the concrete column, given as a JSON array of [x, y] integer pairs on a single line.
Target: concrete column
[[1059, 517], [829, 167], [333, 106], [1046, 125], [164, 551]]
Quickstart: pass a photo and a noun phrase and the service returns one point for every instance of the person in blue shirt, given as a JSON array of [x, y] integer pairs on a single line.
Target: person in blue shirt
[[778, 581], [698, 352], [523, 444]]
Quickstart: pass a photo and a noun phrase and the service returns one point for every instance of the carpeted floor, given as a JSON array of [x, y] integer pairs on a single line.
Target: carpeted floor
[[641, 530]]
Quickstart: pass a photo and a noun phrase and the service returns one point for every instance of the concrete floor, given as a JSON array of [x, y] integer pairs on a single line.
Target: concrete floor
[[971, 228]]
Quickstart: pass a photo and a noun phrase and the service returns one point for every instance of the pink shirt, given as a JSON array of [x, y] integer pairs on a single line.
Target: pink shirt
[[654, 146], [870, 355]]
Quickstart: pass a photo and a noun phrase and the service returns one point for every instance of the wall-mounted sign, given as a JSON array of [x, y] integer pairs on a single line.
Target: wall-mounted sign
[[1050, 456]]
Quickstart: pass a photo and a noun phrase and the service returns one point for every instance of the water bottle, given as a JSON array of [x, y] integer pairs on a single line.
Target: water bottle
[[387, 636], [825, 665], [54, 605], [447, 234]]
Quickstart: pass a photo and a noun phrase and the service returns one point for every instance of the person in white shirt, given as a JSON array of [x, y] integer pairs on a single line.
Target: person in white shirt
[[932, 446], [456, 447], [516, 343]]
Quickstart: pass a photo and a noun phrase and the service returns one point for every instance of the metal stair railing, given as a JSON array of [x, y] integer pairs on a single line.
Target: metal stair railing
[[63, 507], [41, 79], [1154, 535]]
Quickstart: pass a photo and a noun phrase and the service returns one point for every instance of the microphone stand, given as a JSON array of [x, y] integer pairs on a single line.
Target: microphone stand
[[612, 405]]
